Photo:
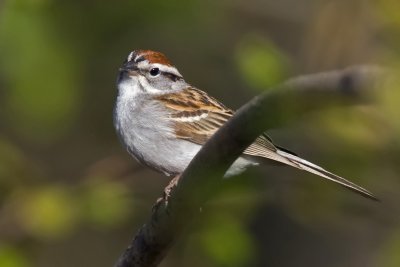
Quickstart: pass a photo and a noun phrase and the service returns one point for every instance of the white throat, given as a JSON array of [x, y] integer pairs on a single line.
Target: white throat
[[128, 88]]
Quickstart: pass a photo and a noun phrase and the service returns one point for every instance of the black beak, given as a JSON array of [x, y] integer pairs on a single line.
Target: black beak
[[129, 67], [127, 70]]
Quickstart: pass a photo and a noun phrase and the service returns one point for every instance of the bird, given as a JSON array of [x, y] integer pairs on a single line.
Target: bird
[[163, 122]]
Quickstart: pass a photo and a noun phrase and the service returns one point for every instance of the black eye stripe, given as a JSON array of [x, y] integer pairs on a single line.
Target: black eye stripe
[[171, 76], [139, 59]]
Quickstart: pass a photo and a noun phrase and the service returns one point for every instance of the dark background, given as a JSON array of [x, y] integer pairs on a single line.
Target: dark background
[[71, 196]]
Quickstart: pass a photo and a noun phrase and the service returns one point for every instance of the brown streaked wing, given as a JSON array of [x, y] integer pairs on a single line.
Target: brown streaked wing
[[197, 116]]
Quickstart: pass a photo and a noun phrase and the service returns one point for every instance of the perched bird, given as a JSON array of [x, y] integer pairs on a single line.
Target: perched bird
[[163, 121]]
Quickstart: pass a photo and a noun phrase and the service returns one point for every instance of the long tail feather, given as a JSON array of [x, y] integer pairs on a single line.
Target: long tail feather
[[312, 168]]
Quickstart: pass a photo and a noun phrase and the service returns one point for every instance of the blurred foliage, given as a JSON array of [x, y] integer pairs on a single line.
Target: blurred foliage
[[67, 186], [106, 204], [53, 211], [260, 61], [11, 257], [226, 241], [387, 11], [390, 252], [388, 103], [46, 212], [12, 164], [222, 229], [41, 87]]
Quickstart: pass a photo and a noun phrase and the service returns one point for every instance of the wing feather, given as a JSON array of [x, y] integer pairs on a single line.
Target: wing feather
[[197, 118], [201, 115]]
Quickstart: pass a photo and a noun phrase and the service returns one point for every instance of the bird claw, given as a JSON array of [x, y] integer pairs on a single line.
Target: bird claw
[[167, 193]]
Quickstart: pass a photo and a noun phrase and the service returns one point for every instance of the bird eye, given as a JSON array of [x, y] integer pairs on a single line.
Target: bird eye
[[154, 71]]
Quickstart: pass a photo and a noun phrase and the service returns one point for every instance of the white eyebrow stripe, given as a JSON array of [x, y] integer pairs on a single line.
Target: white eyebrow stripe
[[169, 69], [130, 56]]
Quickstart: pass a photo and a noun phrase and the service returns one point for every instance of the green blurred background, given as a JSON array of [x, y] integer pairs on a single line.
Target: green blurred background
[[71, 196]]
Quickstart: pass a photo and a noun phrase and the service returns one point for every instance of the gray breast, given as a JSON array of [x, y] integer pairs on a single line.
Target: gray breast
[[148, 135]]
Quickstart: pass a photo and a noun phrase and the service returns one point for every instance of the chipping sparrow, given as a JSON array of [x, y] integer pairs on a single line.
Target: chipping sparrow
[[163, 121]]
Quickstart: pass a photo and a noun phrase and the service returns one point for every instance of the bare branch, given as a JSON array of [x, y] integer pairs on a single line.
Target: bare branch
[[286, 102]]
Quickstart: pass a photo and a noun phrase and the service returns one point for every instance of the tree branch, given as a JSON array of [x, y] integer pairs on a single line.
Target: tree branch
[[288, 101]]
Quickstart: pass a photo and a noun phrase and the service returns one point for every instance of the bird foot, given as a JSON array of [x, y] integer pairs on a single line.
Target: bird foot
[[167, 192]]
